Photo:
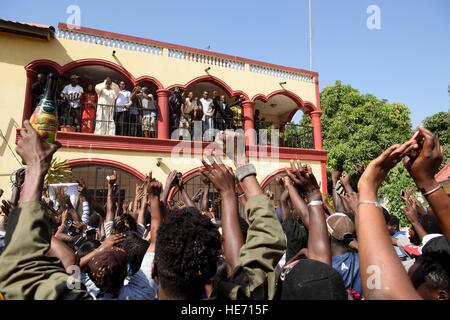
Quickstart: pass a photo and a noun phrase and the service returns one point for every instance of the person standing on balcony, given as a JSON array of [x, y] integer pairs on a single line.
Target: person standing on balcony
[[149, 113], [227, 114], [37, 90], [175, 102], [88, 110], [236, 111], [135, 115], [208, 114], [123, 103], [107, 92], [219, 115], [187, 110], [72, 93]]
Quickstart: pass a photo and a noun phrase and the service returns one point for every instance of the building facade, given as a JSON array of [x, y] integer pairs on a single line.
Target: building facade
[[278, 92]]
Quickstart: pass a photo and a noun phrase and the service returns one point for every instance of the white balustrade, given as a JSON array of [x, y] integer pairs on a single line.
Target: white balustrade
[[77, 35]]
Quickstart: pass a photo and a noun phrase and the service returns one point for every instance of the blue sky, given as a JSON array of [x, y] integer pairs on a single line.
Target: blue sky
[[406, 61]]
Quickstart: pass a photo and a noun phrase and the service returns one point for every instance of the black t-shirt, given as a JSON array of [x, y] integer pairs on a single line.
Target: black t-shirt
[[175, 105], [297, 236]]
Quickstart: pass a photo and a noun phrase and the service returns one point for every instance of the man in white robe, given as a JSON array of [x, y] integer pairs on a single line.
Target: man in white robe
[[107, 92]]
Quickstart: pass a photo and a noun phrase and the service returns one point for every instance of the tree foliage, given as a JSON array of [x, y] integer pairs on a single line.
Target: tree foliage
[[356, 128], [439, 124]]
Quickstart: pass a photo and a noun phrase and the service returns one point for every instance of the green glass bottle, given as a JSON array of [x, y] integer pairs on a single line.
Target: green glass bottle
[[45, 117]]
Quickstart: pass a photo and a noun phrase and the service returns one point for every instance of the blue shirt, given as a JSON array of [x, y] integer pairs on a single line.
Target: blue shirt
[[343, 264], [400, 235]]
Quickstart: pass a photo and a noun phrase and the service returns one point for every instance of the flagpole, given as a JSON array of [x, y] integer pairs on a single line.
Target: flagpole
[[310, 38]]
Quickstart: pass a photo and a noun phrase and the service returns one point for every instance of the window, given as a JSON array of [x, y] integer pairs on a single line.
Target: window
[[96, 183]]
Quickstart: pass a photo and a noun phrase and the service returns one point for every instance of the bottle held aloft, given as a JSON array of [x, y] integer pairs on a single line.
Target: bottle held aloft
[[45, 117]]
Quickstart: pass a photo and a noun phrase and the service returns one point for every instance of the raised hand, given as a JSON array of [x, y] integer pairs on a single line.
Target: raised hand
[[378, 168], [219, 175], [359, 168], [112, 240], [112, 179], [154, 188], [233, 145], [34, 150], [424, 164], [303, 177]]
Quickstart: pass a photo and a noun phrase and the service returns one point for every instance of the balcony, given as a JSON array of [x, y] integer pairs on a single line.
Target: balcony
[[277, 92]]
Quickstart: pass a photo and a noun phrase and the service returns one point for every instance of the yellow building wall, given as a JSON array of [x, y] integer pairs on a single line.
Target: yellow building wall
[[18, 51]]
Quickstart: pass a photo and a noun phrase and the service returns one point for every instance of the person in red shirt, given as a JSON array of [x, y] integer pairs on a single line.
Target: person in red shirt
[[89, 104]]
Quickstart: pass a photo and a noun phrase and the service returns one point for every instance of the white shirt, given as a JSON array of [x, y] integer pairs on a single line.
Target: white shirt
[[74, 94], [123, 100], [207, 105]]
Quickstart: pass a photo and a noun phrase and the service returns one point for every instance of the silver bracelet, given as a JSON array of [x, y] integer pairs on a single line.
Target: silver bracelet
[[431, 191], [372, 202], [315, 203]]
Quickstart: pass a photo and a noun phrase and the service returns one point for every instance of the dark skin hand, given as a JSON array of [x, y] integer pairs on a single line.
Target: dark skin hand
[[205, 188], [359, 168], [17, 186], [345, 180], [154, 191], [109, 242], [284, 207], [222, 178], [37, 154], [110, 205], [412, 215], [370, 224], [422, 166], [300, 207], [337, 200], [318, 239], [169, 184]]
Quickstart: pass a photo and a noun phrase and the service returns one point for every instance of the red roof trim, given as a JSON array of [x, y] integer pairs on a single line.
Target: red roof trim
[[444, 174]]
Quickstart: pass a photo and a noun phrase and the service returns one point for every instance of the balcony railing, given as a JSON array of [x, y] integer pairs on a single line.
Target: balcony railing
[[284, 134], [105, 119], [136, 122]]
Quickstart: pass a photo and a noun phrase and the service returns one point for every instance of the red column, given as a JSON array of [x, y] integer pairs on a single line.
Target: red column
[[31, 75], [315, 120], [249, 124], [163, 116]]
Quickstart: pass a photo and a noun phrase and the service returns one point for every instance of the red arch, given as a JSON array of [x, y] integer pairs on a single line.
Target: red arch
[[185, 176], [91, 62], [108, 163], [299, 101], [214, 80], [270, 176]]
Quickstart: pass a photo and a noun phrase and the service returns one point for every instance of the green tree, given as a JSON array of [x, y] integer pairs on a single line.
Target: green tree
[[439, 124], [356, 128]]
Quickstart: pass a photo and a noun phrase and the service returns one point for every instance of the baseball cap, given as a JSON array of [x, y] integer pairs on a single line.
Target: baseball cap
[[432, 242], [308, 279], [340, 226]]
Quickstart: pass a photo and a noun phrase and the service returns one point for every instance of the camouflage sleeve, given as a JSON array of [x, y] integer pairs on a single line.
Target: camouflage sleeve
[[26, 272]]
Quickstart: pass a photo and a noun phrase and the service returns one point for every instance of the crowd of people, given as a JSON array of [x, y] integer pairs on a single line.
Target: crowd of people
[[152, 248], [109, 108]]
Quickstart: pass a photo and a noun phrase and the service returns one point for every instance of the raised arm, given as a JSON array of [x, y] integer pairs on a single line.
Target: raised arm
[[422, 167], [223, 180], [382, 274], [110, 206], [154, 192], [265, 243], [318, 238], [26, 272], [300, 208]]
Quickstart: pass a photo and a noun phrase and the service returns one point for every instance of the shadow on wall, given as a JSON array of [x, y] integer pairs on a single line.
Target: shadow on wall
[[32, 49], [10, 131]]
